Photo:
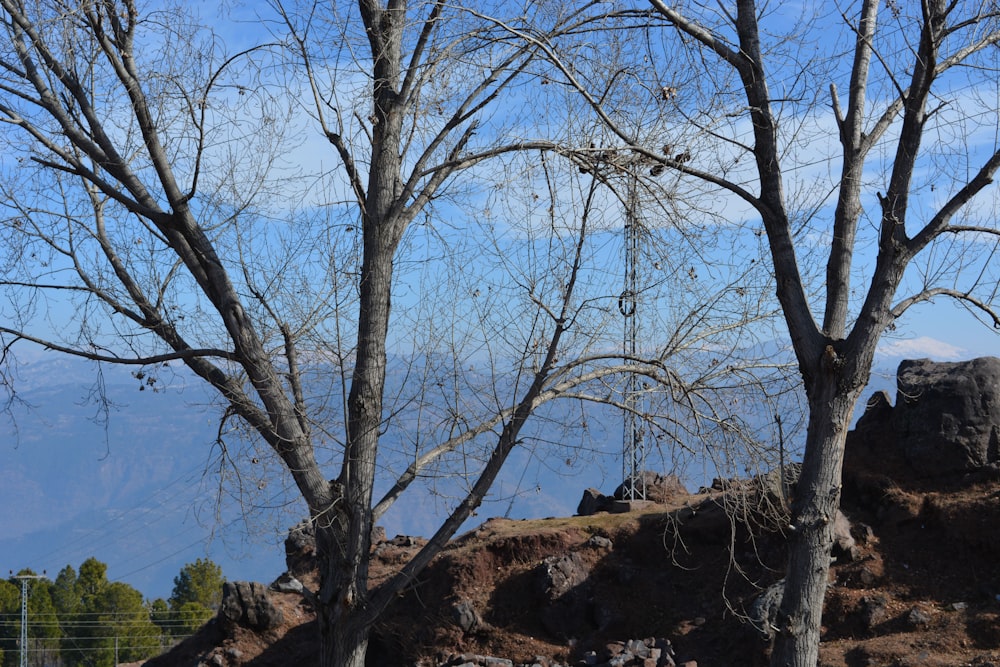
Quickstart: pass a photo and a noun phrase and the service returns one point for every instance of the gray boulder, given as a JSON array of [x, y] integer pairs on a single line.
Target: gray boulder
[[558, 575], [247, 604], [763, 611], [466, 616], [947, 415], [594, 501], [845, 548]]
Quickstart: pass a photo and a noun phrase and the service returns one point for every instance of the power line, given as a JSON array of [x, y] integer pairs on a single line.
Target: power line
[[135, 515]]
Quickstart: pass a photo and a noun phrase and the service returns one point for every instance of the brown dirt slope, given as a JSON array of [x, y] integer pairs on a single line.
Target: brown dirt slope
[[922, 589]]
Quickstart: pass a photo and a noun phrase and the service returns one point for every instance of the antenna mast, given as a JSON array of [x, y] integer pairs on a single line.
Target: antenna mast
[[633, 439]]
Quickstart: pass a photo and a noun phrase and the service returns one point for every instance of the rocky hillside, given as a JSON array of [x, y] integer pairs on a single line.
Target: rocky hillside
[[686, 580]]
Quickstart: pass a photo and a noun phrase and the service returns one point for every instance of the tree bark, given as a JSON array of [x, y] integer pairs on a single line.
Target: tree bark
[[831, 404], [343, 644]]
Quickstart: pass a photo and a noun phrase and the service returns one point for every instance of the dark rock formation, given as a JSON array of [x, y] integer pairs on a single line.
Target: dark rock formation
[[246, 604], [594, 501], [947, 415], [946, 419], [557, 575], [300, 549]]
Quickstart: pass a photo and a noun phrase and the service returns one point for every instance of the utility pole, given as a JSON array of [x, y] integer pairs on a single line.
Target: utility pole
[[25, 578]]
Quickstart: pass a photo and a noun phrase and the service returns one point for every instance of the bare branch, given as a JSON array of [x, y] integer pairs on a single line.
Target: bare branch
[[183, 355], [939, 224], [964, 297]]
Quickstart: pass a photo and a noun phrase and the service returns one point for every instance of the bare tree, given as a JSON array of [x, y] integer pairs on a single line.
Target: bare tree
[[151, 216], [919, 89]]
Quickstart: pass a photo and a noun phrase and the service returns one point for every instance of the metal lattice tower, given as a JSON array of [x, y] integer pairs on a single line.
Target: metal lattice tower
[[25, 578], [633, 438]]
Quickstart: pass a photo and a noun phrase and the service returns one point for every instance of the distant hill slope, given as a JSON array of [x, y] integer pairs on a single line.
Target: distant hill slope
[[131, 476]]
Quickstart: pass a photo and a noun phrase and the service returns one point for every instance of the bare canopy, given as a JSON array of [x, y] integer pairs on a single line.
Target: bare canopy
[[154, 209]]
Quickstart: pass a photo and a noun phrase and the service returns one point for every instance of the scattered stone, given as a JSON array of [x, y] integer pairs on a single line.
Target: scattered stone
[[649, 652], [614, 649], [466, 616], [637, 648], [474, 660], [599, 542], [874, 610], [918, 618]]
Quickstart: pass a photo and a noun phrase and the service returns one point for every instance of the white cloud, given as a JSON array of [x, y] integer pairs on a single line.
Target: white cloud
[[920, 347]]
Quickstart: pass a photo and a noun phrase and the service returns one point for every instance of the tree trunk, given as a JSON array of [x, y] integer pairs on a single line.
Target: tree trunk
[[341, 609], [813, 511], [342, 644]]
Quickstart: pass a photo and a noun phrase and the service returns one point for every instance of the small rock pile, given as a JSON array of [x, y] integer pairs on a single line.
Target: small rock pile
[[649, 652], [654, 488]]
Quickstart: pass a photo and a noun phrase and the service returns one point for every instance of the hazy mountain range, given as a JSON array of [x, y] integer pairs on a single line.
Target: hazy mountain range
[[136, 482]]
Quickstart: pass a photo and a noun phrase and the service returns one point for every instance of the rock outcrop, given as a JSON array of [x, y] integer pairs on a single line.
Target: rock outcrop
[[300, 549], [947, 415], [915, 578], [946, 419]]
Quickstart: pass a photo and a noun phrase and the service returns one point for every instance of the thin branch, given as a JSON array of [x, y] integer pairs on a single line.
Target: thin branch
[[125, 361], [939, 223], [964, 297]]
